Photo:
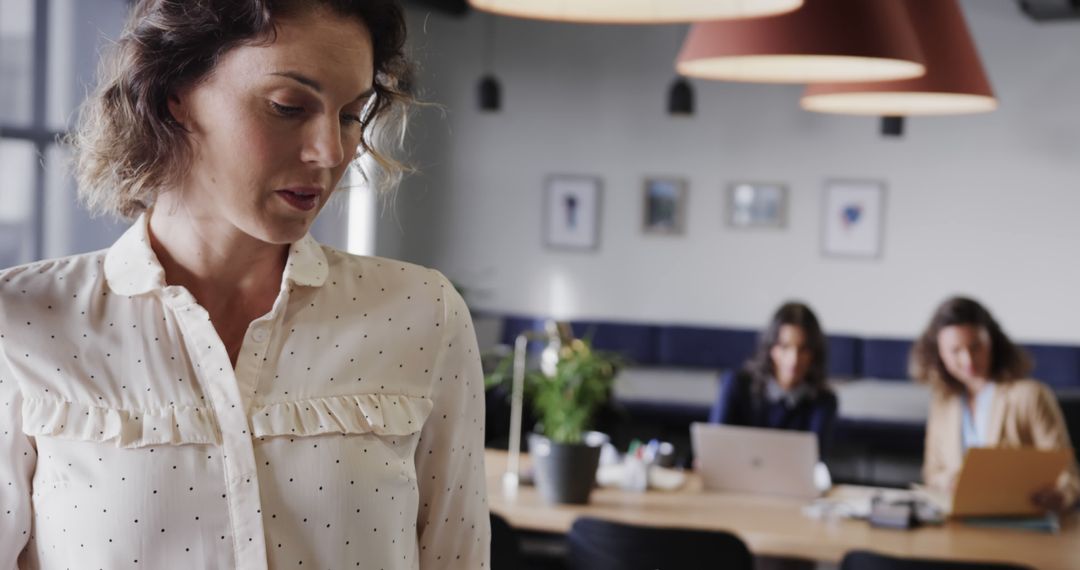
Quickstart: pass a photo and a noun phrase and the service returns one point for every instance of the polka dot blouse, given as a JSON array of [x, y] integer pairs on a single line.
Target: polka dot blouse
[[348, 435]]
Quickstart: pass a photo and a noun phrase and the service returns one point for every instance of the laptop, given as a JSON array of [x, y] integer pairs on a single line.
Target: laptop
[[756, 460], [1000, 481]]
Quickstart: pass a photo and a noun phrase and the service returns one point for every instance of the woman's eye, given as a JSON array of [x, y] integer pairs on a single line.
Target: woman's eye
[[286, 110], [347, 118]]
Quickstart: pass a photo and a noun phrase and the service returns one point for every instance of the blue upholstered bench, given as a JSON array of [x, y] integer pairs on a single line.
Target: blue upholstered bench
[[720, 348]]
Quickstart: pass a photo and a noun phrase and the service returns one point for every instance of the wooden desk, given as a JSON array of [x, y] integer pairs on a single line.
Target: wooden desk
[[776, 526]]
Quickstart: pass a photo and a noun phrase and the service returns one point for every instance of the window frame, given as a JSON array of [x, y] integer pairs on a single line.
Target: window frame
[[37, 132]]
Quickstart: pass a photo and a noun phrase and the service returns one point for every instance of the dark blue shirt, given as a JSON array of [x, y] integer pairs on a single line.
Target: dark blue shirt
[[738, 405]]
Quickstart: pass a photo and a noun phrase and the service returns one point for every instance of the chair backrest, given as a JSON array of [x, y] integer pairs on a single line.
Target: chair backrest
[[505, 545], [866, 560], [596, 544]]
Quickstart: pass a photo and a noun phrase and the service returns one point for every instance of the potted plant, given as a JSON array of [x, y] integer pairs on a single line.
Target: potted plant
[[574, 382]]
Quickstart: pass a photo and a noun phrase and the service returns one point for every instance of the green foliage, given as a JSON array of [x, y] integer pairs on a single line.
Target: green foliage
[[503, 373], [566, 402]]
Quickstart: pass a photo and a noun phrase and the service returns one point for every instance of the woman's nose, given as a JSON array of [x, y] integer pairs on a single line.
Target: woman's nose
[[323, 144]]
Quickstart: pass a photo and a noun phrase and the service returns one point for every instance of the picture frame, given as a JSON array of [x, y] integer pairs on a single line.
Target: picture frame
[[853, 218], [757, 205], [572, 212], [664, 206]]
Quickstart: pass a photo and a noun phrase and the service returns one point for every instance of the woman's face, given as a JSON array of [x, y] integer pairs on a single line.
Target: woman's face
[[274, 127], [965, 351], [791, 357]]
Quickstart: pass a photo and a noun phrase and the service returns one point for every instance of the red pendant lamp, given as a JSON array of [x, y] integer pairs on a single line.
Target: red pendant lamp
[[955, 81], [825, 40], [635, 11]]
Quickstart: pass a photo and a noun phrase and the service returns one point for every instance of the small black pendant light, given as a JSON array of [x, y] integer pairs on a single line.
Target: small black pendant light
[[892, 127], [490, 94], [489, 91], [681, 98]]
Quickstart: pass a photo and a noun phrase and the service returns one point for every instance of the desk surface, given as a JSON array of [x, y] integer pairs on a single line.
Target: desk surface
[[776, 526]]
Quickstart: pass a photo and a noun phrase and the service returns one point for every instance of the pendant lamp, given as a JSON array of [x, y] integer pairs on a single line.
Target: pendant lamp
[[825, 40], [681, 98], [955, 81], [489, 94], [489, 91], [892, 127], [635, 11]]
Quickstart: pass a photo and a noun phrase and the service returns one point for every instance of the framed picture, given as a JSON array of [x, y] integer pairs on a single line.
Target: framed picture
[[854, 215], [572, 212], [757, 205], [664, 206]]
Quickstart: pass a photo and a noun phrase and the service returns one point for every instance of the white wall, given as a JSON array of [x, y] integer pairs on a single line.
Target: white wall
[[985, 205]]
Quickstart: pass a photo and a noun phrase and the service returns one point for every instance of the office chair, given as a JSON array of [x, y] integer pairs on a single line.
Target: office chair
[[866, 560], [505, 545], [596, 544]]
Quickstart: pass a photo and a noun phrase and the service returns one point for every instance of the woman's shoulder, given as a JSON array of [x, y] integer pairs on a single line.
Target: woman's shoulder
[[1026, 390], [380, 268], [825, 396], [404, 281], [48, 268], [740, 379], [59, 277], [37, 299], [941, 398]]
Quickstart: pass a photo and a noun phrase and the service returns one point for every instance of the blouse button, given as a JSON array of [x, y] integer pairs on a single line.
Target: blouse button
[[259, 335]]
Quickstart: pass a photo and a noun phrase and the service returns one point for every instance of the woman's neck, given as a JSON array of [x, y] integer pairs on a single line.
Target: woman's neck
[[213, 259], [974, 387]]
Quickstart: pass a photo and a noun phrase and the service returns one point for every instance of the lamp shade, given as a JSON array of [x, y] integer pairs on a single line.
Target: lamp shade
[[635, 11], [955, 81], [825, 40]]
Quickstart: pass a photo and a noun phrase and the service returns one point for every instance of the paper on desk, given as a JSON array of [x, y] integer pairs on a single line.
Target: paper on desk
[[1001, 481], [659, 478], [854, 505]]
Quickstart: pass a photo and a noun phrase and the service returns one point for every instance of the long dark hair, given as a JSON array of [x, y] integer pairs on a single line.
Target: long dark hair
[[760, 366], [1007, 361]]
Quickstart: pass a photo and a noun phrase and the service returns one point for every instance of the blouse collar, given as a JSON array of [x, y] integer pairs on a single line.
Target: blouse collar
[[132, 268], [791, 398]]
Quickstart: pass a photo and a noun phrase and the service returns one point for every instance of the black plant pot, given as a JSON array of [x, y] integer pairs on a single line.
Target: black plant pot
[[565, 473]]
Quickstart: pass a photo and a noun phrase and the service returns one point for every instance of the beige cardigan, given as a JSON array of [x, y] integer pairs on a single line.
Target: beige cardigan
[[1024, 413]]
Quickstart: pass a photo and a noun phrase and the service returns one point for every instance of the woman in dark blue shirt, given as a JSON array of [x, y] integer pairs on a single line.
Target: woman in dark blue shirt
[[784, 384]]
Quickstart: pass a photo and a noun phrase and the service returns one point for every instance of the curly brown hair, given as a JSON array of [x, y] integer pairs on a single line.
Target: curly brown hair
[[1007, 360], [128, 146]]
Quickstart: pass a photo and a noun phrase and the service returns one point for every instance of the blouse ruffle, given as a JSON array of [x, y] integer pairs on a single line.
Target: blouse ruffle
[[380, 414], [171, 425]]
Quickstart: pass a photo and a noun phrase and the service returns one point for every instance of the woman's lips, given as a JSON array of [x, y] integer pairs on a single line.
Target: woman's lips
[[303, 200]]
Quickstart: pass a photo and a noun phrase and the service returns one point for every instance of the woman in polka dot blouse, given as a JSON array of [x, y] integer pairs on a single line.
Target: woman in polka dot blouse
[[217, 390]]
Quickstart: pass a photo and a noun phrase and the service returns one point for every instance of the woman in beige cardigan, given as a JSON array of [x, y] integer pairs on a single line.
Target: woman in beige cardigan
[[983, 398]]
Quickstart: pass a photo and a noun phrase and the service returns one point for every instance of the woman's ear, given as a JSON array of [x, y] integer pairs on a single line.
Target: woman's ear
[[178, 109]]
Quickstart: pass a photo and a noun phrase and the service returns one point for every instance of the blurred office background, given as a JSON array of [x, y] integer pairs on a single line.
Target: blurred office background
[[982, 204]]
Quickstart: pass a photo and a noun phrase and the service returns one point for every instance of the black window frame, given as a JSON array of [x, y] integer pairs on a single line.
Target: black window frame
[[37, 132]]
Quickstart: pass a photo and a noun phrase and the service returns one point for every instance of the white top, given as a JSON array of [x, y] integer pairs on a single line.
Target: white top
[[349, 435], [974, 423]]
